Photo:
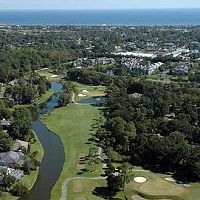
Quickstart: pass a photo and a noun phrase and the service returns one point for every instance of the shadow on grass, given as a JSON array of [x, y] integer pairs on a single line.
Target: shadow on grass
[[82, 171], [103, 192]]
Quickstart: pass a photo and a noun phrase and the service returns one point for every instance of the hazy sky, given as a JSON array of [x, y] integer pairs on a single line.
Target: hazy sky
[[95, 4]]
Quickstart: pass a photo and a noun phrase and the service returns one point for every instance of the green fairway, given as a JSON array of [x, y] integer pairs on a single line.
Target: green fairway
[[156, 187], [93, 91], [84, 188], [72, 124], [49, 74]]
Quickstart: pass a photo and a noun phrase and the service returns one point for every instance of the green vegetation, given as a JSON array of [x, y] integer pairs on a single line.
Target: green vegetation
[[2, 90], [38, 101], [50, 75], [84, 188], [93, 91], [29, 180], [72, 124], [44, 97], [167, 78], [26, 91], [147, 123], [157, 187]]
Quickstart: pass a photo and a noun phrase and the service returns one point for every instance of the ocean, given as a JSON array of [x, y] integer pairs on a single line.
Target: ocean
[[100, 17]]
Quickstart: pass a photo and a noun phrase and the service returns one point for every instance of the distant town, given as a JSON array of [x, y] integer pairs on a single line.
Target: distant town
[[110, 112]]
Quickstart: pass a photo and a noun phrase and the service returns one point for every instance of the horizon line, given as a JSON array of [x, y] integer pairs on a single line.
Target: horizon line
[[100, 9]]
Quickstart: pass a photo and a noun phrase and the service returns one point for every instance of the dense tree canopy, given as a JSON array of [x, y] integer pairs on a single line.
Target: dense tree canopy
[[159, 129]]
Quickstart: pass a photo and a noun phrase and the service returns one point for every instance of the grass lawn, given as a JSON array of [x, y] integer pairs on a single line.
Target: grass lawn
[[156, 187], [49, 74], [30, 179], [44, 97], [84, 188], [166, 78], [94, 91], [72, 124]]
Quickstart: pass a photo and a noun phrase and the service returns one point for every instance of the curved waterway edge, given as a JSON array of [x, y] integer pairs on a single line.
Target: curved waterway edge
[[54, 156]]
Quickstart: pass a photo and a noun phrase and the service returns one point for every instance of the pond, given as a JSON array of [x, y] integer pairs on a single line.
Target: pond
[[93, 100]]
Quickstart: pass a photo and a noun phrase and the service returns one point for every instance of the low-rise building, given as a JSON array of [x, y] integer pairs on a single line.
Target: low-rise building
[[15, 173], [19, 145], [11, 158]]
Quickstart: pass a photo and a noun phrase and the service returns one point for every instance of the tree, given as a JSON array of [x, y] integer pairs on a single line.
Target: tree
[[115, 183], [122, 132], [19, 190], [126, 174], [20, 128], [5, 142], [8, 180], [110, 169], [64, 99]]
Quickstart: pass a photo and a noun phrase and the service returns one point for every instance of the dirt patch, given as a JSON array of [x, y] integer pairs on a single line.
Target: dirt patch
[[80, 198], [137, 197], [77, 186]]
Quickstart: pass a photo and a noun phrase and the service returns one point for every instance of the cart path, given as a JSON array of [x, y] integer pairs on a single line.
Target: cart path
[[65, 183]]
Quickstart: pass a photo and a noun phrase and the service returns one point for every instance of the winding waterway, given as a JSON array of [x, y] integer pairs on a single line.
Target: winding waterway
[[54, 157]]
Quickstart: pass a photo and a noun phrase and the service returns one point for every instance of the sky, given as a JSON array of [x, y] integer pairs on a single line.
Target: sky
[[96, 4]]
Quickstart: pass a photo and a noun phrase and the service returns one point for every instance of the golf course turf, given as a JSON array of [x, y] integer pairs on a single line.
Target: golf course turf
[[72, 124]]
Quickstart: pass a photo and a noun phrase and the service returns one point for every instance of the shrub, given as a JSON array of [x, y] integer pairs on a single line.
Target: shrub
[[19, 190]]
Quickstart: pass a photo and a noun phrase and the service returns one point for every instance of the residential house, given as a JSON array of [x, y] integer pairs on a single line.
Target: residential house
[[19, 145], [11, 158], [15, 173]]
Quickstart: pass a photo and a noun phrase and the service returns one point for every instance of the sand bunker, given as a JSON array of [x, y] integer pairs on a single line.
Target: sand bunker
[[140, 179], [170, 179], [85, 91], [81, 95], [54, 76]]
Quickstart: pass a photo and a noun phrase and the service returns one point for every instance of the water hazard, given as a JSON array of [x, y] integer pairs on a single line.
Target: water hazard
[[53, 160]]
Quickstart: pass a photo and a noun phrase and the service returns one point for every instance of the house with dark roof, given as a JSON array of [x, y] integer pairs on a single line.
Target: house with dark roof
[[12, 157]]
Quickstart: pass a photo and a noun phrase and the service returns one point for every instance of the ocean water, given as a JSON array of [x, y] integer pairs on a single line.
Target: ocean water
[[99, 17]]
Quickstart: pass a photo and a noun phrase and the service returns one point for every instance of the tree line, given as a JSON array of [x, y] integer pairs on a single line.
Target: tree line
[[158, 130], [26, 91]]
